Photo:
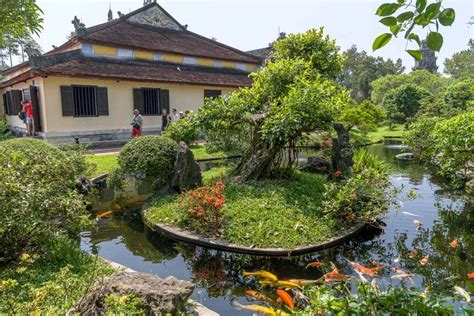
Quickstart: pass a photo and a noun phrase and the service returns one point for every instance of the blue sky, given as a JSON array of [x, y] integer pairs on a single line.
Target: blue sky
[[253, 24]]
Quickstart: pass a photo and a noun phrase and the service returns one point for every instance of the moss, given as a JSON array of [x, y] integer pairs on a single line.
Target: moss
[[271, 213]]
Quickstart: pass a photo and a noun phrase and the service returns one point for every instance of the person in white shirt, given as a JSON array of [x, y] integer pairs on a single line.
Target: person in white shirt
[[174, 115]]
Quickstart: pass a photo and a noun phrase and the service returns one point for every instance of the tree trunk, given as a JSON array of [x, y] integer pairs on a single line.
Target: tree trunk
[[258, 161]]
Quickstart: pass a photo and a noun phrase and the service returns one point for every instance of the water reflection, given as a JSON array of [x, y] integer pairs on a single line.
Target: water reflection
[[445, 216]]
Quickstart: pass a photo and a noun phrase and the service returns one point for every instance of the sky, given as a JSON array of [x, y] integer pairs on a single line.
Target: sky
[[253, 24]]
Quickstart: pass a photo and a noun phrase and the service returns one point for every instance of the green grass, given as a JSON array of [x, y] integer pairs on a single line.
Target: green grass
[[271, 213], [107, 163], [50, 283], [377, 135]]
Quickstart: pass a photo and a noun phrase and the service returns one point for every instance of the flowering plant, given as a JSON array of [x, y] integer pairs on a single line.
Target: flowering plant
[[203, 208]]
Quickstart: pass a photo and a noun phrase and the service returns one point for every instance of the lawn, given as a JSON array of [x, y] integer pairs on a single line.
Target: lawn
[[377, 135], [49, 284], [107, 163], [270, 213]]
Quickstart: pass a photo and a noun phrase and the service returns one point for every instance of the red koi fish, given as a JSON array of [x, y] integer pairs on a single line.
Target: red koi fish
[[286, 298], [315, 264], [363, 269], [104, 214], [470, 276], [334, 275], [454, 243], [259, 296]]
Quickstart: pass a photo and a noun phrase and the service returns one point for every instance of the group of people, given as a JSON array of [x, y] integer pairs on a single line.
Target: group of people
[[26, 115], [166, 120]]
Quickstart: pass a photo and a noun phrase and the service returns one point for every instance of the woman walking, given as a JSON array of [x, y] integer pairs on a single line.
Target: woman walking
[[137, 124]]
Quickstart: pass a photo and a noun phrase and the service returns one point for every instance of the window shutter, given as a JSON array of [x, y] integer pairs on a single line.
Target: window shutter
[[16, 97], [5, 104], [102, 101], [36, 108], [138, 100], [9, 103], [164, 100], [67, 100]]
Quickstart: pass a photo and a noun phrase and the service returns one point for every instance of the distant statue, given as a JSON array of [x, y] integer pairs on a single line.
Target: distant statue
[[80, 28], [110, 15], [120, 14], [147, 2]]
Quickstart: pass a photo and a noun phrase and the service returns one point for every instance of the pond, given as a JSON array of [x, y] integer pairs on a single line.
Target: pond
[[445, 215]]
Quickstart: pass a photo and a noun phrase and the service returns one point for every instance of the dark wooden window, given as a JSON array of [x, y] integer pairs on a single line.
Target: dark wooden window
[[150, 102], [6, 109], [212, 94], [13, 100], [84, 101]]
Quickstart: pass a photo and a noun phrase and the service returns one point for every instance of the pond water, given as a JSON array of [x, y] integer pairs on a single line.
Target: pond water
[[445, 215]]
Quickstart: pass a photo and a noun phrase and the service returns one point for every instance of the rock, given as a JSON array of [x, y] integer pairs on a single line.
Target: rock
[[317, 165], [187, 173], [342, 151], [83, 185], [159, 296]]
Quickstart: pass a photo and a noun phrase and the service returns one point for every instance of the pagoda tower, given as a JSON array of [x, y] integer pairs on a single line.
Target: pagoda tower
[[428, 59]]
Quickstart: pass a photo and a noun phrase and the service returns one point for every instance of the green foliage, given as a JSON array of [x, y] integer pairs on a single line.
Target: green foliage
[[365, 116], [37, 194], [403, 103], [183, 130], [19, 18], [364, 196], [124, 305], [51, 281], [419, 137], [460, 96], [148, 156], [101, 164], [360, 70], [461, 64], [4, 130], [403, 16]]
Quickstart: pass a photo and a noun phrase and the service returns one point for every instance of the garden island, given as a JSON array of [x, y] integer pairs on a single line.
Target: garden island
[[181, 175]]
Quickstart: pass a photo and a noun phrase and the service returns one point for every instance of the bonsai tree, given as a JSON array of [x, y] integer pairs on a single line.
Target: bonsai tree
[[294, 94]]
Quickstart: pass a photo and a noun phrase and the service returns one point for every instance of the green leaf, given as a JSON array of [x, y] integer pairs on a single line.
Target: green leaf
[[381, 41], [408, 32], [389, 21], [415, 38], [387, 9], [432, 11], [395, 29], [405, 16], [420, 5], [434, 41], [447, 17], [415, 54]]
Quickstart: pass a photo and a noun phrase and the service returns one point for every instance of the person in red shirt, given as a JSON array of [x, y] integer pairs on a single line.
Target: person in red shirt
[[28, 108]]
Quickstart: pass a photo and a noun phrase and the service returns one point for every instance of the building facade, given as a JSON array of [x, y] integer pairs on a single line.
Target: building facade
[[145, 60]]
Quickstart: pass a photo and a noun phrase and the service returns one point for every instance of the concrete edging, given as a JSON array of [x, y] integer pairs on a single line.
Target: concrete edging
[[186, 236]]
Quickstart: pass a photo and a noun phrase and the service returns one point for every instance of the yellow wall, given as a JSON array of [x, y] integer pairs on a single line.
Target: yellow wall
[[120, 94], [172, 58], [104, 50], [227, 64], [206, 62], [140, 54]]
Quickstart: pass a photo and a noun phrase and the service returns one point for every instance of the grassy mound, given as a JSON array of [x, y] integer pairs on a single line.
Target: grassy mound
[[272, 213]]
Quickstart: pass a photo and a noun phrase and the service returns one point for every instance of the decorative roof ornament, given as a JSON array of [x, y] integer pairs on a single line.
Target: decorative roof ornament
[[110, 15], [154, 16], [79, 27], [428, 59], [147, 2]]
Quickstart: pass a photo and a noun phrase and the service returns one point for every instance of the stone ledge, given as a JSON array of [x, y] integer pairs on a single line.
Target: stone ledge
[[186, 236]]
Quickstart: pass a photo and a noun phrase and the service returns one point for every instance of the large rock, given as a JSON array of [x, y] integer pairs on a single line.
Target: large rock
[[187, 173], [159, 296]]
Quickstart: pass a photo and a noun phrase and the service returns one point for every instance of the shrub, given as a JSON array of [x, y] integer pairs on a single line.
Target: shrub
[[460, 96], [202, 208], [4, 131], [148, 156], [37, 194], [183, 130]]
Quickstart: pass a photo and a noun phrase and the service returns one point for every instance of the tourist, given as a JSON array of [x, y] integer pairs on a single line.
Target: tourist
[[174, 115], [28, 109], [165, 118], [181, 115], [186, 113], [137, 124]]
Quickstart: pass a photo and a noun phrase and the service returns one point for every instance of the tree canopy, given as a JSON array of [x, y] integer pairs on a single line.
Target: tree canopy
[[403, 103], [19, 18], [461, 64]]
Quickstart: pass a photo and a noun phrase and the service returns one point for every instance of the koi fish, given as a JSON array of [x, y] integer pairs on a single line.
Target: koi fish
[[302, 282], [284, 284], [413, 254], [401, 275], [104, 214], [263, 274], [424, 261], [259, 296], [454, 243], [286, 298], [362, 269], [375, 269], [257, 308], [315, 264], [470, 275], [462, 292], [410, 214], [334, 275]]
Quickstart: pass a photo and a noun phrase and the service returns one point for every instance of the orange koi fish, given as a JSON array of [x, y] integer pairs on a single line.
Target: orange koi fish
[[286, 298], [259, 296], [302, 282], [375, 269], [413, 254], [283, 284], [424, 261], [104, 214], [315, 264], [454, 243], [263, 274], [470, 275], [257, 308], [363, 269], [334, 275]]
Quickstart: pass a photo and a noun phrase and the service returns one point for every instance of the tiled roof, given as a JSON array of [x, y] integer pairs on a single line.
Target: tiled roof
[[147, 71], [126, 34]]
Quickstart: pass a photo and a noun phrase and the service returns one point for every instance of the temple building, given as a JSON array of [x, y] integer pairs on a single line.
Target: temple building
[[88, 87], [428, 59]]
